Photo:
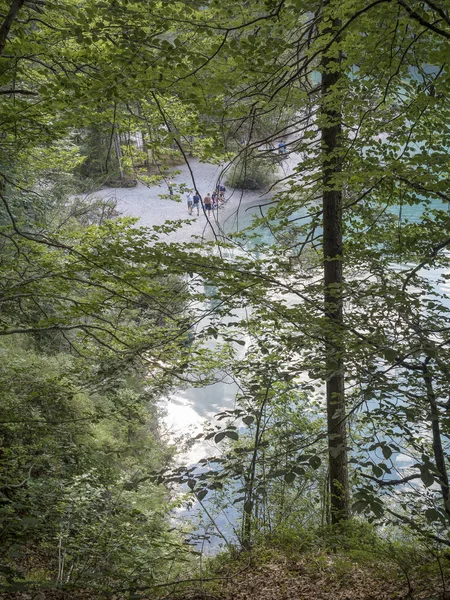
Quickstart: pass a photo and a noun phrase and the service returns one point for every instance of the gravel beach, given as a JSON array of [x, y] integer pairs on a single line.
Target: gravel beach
[[146, 204]]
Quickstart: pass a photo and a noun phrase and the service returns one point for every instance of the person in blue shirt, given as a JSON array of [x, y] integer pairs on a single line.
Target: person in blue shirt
[[196, 201]]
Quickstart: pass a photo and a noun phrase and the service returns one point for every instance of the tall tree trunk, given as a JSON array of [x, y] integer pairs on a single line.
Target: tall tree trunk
[[332, 253]]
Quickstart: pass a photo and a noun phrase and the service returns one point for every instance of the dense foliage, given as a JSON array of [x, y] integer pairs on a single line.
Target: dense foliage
[[344, 385]]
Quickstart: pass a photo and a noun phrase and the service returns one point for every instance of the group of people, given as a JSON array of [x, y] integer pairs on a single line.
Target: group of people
[[210, 201]]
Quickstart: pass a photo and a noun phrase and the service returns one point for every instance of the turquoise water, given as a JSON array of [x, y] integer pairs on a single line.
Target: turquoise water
[[244, 218], [193, 406], [414, 214]]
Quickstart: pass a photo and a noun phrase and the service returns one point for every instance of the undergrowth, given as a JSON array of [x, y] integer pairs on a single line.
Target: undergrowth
[[349, 562]]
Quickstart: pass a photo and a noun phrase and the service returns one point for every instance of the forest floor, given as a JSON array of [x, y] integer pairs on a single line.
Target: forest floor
[[271, 574], [329, 578], [326, 577]]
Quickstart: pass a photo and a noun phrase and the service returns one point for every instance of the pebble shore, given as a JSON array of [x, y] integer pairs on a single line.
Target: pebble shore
[[146, 204]]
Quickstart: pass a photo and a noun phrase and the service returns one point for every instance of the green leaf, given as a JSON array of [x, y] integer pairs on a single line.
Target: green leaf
[[427, 478], [390, 355], [432, 515], [377, 471], [232, 435], [30, 521], [201, 494], [289, 477], [387, 452], [315, 461], [237, 500], [219, 436], [248, 506], [299, 470], [359, 506]]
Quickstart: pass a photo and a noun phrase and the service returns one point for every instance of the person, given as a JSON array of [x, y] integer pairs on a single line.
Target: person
[[208, 203], [214, 198], [190, 202], [222, 189], [281, 147], [196, 202], [170, 186]]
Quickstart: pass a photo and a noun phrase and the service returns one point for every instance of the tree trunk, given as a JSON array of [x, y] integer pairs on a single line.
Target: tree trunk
[[249, 503], [144, 143], [9, 20], [118, 153], [331, 130], [438, 450]]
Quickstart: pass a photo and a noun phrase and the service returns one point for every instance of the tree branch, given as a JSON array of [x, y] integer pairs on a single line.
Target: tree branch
[[387, 482], [23, 92], [414, 526], [432, 254], [422, 21], [7, 23]]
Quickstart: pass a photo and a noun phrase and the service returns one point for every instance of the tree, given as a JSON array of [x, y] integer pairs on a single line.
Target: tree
[[79, 420], [390, 101], [92, 322], [331, 133]]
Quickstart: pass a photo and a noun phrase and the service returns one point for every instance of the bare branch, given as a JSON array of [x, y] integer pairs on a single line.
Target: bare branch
[[22, 92]]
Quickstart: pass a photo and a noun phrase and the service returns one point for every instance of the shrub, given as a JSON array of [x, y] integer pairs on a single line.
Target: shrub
[[254, 174]]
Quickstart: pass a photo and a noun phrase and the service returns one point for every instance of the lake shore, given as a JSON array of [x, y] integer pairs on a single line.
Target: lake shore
[[151, 209]]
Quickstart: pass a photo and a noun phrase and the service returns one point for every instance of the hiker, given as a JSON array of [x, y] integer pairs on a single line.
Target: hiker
[[281, 147], [190, 202], [208, 203], [221, 189], [196, 202], [170, 186]]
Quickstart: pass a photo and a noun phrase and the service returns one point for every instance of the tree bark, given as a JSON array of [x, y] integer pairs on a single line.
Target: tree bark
[[118, 153], [144, 143], [438, 450], [7, 23], [331, 133], [250, 483]]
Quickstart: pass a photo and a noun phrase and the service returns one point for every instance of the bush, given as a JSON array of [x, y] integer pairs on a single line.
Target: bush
[[252, 174]]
